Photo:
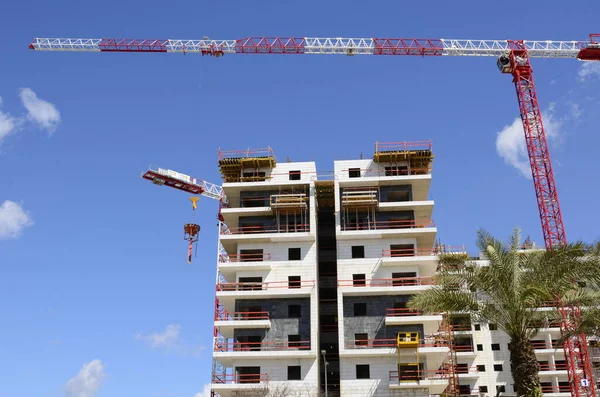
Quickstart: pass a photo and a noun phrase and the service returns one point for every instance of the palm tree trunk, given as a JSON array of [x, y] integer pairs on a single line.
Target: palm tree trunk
[[524, 368]]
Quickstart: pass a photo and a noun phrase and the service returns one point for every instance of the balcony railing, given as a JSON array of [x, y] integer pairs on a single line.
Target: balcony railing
[[383, 225], [460, 327], [234, 346], [391, 343], [402, 312], [226, 258], [387, 282], [461, 370], [267, 229], [411, 375], [556, 389], [265, 285], [553, 367], [463, 348], [542, 344], [422, 251], [240, 316], [239, 378]]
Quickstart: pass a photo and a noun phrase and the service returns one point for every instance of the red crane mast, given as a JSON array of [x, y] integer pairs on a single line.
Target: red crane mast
[[513, 57]]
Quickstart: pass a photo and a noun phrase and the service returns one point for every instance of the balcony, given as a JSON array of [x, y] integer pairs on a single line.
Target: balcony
[[556, 390], [433, 346], [387, 225], [423, 230], [240, 262], [262, 229], [228, 351], [405, 315], [386, 286], [435, 380], [227, 322], [265, 289], [238, 379], [464, 371], [553, 369]]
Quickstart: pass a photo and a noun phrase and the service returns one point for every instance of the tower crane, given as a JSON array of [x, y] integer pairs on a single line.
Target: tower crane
[[186, 183], [513, 57]]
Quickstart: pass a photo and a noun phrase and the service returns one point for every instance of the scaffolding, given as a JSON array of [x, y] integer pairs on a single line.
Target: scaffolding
[[404, 158], [246, 165], [453, 389]]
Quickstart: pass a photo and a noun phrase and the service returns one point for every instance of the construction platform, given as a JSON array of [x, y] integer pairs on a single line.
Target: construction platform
[[418, 155], [233, 164]]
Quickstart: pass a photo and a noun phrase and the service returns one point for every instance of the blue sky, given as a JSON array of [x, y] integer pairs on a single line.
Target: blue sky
[[96, 298]]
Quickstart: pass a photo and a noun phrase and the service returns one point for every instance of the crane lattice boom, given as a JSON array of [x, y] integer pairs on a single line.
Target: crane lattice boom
[[313, 45]]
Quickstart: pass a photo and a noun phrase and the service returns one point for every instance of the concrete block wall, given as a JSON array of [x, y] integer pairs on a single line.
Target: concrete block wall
[[281, 325]]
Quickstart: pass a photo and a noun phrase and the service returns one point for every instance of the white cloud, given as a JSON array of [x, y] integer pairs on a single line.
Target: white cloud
[[166, 339], [7, 123], [170, 340], [205, 392], [44, 113], [87, 382], [589, 70], [13, 219], [511, 146]]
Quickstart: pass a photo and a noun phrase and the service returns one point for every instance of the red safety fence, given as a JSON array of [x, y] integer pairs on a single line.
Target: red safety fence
[[381, 225], [553, 367], [225, 258], [460, 369], [239, 378], [542, 344], [402, 312], [239, 316], [392, 342], [265, 285], [460, 327], [234, 346], [556, 389], [409, 374], [268, 229], [386, 282], [463, 348]]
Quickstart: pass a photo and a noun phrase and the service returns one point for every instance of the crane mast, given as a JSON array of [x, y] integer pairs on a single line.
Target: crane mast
[[513, 57]]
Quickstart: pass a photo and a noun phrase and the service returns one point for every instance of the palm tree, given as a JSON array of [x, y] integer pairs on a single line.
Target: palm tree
[[509, 291]]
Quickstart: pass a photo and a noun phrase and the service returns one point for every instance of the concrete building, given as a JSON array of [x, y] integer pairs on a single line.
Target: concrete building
[[313, 278]]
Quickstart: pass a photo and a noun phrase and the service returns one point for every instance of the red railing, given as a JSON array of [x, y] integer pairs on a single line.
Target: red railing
[[224, 315], [463, 348], [542, 344], [466, 370], [460, 327], [239, 378], [391, 343], [234, 346], [265, 285], [244, 258], [391, 171], [402, 312], [268, 229], [556, 389], [553, 367], [381, 225], [387, 282], [407, 375]]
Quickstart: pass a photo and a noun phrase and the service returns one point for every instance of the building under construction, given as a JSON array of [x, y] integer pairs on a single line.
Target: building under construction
[[313, 277]]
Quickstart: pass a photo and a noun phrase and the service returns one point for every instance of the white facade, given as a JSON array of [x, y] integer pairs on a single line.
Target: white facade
[[385, 251]]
